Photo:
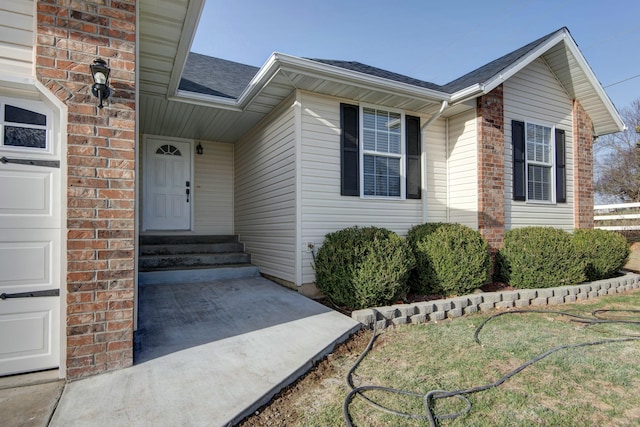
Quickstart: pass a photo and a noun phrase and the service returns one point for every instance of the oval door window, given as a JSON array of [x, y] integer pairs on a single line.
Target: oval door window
[[169, 150]]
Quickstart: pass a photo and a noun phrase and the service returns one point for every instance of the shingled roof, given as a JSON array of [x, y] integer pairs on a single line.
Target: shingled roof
[[378, 72], [214, 76], [219, 77], [493, 68]]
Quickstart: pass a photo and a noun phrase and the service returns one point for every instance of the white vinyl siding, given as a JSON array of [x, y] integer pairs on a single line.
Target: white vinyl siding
[[434, 174], [534, 95], [265, 193], [17, 37], [463, 169], [323, 209], [213, 189]]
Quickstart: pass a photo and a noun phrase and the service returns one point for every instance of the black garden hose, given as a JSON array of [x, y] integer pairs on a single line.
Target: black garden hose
[[597, 317]]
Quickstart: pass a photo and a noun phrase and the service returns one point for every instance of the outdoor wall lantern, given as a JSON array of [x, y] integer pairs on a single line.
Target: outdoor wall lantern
[[199, 149], [100, 73]]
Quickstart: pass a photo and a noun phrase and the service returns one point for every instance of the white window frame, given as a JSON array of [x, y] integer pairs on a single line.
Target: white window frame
[[551, 165], [402, 156], [31, 105]]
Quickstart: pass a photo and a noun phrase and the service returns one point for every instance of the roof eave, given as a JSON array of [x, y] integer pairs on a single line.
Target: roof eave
[[562, 36], [194, 12], [595, 84], [524, 61], [315, 68], [282, 62], [467, 93]]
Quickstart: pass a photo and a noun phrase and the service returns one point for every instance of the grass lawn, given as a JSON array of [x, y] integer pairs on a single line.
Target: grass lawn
[[588, 386]]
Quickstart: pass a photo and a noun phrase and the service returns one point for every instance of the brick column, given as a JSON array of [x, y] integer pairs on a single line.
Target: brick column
[[100, 174], [490, 119], [583, 167]]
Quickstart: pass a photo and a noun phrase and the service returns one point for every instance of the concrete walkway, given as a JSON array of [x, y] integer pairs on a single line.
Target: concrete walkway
[[207, 354]]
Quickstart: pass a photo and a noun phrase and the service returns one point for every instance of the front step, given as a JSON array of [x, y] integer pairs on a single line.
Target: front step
[[190, 248], [176, 262], [192, 275], [192, 258]]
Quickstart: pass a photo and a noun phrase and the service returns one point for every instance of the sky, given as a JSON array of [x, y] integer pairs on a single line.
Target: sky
[[432, 40]]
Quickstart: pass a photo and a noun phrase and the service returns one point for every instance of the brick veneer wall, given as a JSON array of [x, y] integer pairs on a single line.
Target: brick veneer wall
[[490, 119], [100, 174], [583, 167]]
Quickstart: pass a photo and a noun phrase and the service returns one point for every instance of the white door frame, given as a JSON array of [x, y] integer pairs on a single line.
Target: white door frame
[[145, 162]]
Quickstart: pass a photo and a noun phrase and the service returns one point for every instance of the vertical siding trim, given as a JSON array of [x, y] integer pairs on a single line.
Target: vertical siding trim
[[297, 112], [447, 165], [424, 178]]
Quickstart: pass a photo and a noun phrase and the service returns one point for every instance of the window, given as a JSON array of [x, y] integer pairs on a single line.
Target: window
[[538, 161], [169, 150], [380, 153], [23, 124]]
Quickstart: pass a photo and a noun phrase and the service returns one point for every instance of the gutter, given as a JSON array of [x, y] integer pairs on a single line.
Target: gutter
[[282, 62]]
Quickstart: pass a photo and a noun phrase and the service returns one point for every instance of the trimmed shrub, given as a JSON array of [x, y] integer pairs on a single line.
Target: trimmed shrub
[[416, 234], [605, 252], [363, 267], [451, 259], [539, 257]]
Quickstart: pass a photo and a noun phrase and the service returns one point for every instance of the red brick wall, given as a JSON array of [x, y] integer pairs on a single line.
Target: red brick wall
[[100, 180], [490, 118], [583, 167]]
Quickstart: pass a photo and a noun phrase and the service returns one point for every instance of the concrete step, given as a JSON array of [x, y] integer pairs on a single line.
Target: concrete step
[[201, 274], [190, 248], [177, 261], [154, 239]]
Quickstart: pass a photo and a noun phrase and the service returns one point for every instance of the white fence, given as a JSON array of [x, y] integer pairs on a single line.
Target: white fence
[[628, 213]]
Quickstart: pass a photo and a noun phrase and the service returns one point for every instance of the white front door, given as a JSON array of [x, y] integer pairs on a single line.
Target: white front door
[[30, 238], [167, 184]]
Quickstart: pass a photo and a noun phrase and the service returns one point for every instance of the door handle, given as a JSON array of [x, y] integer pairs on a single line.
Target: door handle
[[188, 195]]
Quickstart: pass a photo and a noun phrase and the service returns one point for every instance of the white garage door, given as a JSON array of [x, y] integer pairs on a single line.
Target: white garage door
[[30, 238]]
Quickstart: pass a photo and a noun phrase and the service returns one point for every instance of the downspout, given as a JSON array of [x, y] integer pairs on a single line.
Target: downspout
[[443, 107], [423, 132]]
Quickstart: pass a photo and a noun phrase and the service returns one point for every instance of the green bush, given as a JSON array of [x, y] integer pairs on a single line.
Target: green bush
[[363, 267], [539, 257], [604, 252], [416, 234], [451, 259]]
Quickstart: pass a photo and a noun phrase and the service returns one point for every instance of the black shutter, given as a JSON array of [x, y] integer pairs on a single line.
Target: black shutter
[[349, 150], [561, 168], [413, 151], [519, 162]]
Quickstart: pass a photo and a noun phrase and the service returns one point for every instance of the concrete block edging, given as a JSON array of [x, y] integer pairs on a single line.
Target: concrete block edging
[[424, 312]]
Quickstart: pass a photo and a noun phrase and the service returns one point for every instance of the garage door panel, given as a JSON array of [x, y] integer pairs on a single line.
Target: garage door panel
[[32, 217], [29, 260], [27, 331], [26, 197]]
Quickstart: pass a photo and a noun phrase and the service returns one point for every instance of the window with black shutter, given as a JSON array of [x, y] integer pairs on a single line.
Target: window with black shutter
[[374, 160], [537, 150], [349, 150], [561, 167], [414, 149]]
